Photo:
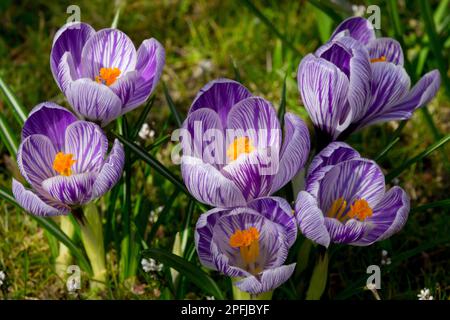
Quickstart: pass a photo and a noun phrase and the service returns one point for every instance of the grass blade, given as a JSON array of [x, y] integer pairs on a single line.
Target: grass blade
[[437, 204], [172, 106], [282, 108], [435, 146], [154, 163], [18, 110], [188, 269], [7, 136], [387, 148]]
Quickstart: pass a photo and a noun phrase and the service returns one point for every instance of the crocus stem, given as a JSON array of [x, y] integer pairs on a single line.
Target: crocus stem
[[319, 277], [64, 258], [241, 295], [91, 232]]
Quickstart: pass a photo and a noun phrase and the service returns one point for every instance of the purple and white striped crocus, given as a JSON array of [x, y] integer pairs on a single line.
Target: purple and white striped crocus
[[249, 242], [238, 150], [101, 73], [356, 79], [345, 200], [65, 162]]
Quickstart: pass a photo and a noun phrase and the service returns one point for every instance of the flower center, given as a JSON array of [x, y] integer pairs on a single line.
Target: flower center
[[63, 162], [380, 59], [108, 76], [239, 146], [360, 210], [248, 243]]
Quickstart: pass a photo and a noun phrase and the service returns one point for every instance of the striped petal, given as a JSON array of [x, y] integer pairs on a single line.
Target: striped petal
[[208, 185], [294, 152], [88, 145], [388, 48], [94, 101], [71, 190], [266, 281], [352, 180], [389, 216], [257, 119], [348, 232], [279, 211], [220, 95], [151, 58], [48, 119], [67, 72], [324, 89], [358, 28], [310, 219], [108, 48], [111, 171], [70, 38], [33, 204], [35, 159]]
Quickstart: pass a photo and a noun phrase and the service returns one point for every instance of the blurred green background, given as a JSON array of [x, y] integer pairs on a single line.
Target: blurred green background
[[260, 43]]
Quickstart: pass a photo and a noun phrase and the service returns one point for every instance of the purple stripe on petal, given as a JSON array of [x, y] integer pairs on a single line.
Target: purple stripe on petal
[[70, 38], [111, 171], [208, 185], [279, 211], [151, 58], [268, 280], [324, 89], [388, 48], [35, 159], [348, 232], [48, 119], [125, 87], [358, 28], [67, 72], [310, 219], [222, 264], [71, 190], [108, 48], [389, 216], [220, 95], [352, 180], [94, 101], [88, 144], [28, 200], [294, 152], [257, 119]]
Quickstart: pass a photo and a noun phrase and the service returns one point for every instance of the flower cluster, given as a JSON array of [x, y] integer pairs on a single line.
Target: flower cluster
[[235, 158], [63, 157]]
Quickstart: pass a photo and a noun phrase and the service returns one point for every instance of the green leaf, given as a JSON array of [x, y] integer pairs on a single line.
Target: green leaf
[[437, 204], [387, 148], [7, 136], [435, 146], [142, 117], [319, 278], [282, 108], [154, 163], [329, 11], [51, 227], [192, 272], [172, 106], [18, 110]]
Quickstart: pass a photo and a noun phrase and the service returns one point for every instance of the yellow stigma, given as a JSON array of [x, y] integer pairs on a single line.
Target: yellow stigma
[[239, 146], [337, 209], [248, 243], [63, 162], [360, 209], [108, 76], [380, 59]]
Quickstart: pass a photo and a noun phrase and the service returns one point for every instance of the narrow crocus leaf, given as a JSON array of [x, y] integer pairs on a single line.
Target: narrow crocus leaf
[[319, 278], [172, 106], [191, 271], [444, 204], [386, 149], [52, 228], [303, 256], [18, 110], [282, 108], [153, 162], [142, 118], [7, 137], [435, 146]]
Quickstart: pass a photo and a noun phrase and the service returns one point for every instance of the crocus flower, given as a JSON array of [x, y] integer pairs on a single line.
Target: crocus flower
[[346, 202], [356, 80], [232, 147], [101, 73], [65, 162], [250, 242]]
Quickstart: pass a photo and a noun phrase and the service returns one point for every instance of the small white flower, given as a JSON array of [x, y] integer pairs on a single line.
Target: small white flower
[[358, 10], [210, 298], [425, 294], [385, 259], [145, 133], [154, 214], [2, 277], [150, 265], [73, 284]]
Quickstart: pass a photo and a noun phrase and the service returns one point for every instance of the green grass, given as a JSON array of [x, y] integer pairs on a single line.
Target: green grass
[[205, 40]]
